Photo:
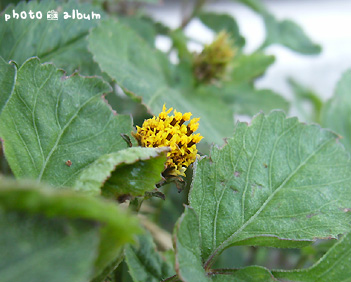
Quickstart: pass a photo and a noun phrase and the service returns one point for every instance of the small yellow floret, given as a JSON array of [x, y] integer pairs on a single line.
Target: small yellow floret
[[171, 131]]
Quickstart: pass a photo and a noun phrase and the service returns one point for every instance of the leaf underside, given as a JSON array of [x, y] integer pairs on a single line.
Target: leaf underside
[[130, 171]]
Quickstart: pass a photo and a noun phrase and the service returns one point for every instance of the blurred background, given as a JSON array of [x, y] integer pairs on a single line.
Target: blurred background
[[325, 22]]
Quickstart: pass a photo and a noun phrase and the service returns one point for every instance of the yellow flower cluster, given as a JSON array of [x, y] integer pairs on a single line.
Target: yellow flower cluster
[[171, 131]]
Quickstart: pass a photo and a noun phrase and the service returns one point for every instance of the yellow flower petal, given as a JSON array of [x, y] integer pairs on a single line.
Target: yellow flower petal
[[171, 131]]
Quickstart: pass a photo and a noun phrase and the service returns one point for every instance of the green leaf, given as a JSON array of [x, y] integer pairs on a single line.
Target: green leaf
[[219, 22], [51, 119], [285, 32], [246, 100], [130, 171], [146, 73], [77, 234], [188, 248], [143, 27], [145, 263], [180, 43], [333, 266], [250, 273], [132, 1], [336, 113], [276, 179], [62, 42], [5, 3], [159, 27], [302, 95], [32, 244], [7, 82], [256, 5], [136, 179], [289, 34], [188, 257], [246, 68]]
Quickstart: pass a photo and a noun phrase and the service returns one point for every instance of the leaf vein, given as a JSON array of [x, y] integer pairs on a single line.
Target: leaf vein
[[249, 172], [53, 149], [223, 245]]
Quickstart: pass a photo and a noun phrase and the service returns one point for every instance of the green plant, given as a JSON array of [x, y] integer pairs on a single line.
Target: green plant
[[84, 196]]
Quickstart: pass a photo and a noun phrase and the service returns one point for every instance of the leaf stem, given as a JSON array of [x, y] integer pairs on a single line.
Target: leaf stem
[[173, 278], [223, 271], [210, 260]]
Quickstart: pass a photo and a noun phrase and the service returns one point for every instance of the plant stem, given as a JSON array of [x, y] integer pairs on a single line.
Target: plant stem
[[186, 20], [135, 203]]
